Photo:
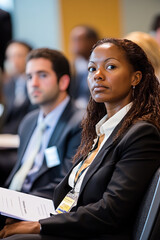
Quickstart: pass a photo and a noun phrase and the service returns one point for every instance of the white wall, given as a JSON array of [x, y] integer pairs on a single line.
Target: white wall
[[37, 22], [138, 15]]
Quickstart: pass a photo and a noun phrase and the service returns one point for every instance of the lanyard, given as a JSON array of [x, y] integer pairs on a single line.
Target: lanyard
[[76, 180]]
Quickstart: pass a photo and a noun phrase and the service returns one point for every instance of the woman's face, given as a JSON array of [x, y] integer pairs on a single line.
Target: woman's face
[[110, 76]]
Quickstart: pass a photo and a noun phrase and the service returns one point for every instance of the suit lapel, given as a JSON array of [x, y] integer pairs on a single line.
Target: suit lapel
[[100, 156], [28, 133], [61, 124], [10, 91]]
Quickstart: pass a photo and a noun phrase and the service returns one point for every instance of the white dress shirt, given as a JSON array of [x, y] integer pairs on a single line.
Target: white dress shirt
[[106, 127]]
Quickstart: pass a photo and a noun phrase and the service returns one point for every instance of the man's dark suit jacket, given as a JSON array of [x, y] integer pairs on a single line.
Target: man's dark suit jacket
[[112, 188], [11, 120], [66, 137], [14, 114], [5, 33]]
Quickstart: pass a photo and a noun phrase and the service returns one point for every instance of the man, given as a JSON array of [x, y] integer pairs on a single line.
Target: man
[[48, 79], [155, 29], [16, 101], [82, 39], [15, 92], [5, 33]]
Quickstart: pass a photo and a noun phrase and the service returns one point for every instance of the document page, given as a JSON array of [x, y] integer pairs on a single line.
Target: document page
[[9, 141], [24, 206]]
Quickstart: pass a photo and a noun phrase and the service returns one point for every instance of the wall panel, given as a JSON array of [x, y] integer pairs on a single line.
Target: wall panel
[[103, 15]]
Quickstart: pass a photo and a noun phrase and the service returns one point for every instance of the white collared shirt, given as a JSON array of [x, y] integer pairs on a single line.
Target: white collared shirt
[[106, 127]]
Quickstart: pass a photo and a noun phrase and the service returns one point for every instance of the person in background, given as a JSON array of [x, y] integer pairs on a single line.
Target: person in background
[[48, 79], [17, 103], [82, 38], [120, 140], [150, 46], [5, 34], [155, 28], [5, 167], [2, 104]]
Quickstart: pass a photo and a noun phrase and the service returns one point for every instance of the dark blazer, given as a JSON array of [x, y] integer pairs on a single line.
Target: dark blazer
[[66, 137], [112, 188], [12, 118], [79, 87], [5, 33], [14, 115]]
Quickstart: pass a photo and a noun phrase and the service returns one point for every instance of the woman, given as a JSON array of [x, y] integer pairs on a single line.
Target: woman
[[103, 197]]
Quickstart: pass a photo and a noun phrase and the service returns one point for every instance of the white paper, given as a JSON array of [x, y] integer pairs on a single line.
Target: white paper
[[24, 206], [9, 141]]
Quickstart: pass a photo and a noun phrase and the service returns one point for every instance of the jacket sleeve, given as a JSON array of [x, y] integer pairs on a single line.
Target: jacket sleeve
[[136, 158]]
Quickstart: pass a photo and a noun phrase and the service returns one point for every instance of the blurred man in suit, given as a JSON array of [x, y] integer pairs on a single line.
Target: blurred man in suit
[[16, 101], [155, 28], [82, 39], [5, 33], [48, 79], [16, 98]]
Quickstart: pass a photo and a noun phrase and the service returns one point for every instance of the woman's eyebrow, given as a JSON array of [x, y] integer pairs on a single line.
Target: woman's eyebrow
[[107, 59]]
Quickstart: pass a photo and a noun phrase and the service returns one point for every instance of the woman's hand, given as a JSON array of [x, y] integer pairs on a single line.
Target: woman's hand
[[11, 221], [22, 227]]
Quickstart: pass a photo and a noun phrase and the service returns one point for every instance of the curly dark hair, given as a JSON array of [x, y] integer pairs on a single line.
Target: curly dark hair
[[146, 99]]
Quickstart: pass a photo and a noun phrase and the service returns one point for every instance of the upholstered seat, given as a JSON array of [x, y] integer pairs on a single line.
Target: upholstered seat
[[147, 226]]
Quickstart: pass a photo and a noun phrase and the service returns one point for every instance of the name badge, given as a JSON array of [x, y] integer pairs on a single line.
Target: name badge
[[52, 157], [68, 202]]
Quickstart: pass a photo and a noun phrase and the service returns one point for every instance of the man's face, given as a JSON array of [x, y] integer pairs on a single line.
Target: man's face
[[80, 44], [42, 82], [16, 58]]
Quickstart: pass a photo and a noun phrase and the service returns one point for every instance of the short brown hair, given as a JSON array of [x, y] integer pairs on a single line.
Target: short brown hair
[[59, 62]]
